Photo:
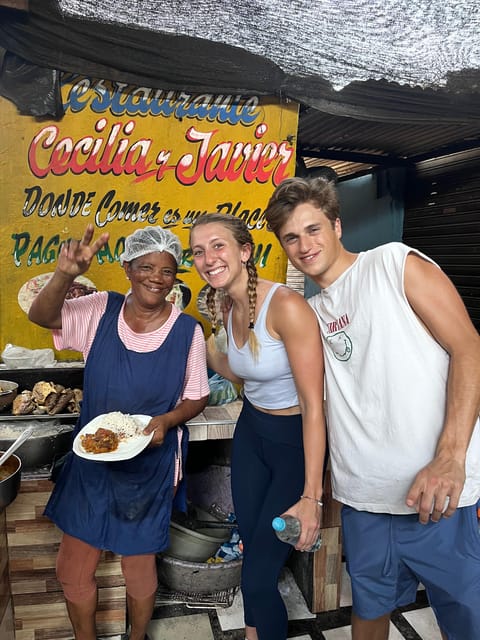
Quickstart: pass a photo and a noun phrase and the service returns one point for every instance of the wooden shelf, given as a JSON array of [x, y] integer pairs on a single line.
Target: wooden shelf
[[38, 602]]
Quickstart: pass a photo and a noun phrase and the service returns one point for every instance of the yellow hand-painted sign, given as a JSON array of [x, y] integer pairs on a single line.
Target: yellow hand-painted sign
[[126, 157]]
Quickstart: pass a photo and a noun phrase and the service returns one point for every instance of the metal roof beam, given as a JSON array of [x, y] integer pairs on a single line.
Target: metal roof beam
[[352, 156], [464, 145]]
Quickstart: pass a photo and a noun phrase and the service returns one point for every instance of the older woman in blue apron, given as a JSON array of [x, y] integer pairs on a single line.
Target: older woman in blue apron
[[142, 356]]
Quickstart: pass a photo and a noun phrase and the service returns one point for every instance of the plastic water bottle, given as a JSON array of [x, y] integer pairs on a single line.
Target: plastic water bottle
[[288, 529]]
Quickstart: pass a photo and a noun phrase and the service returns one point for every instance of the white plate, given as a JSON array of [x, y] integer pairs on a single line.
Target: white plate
[[126, 449]]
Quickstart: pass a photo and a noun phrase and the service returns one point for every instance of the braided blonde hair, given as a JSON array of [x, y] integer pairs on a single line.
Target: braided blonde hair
[[242, 236]]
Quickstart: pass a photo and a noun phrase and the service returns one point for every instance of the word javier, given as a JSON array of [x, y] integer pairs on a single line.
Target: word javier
[[111, 149]]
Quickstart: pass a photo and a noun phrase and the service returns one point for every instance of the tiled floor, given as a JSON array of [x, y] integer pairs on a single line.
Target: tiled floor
[[187, 622]]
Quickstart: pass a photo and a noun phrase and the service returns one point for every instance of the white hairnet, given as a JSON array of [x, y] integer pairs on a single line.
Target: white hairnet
[[148, 240]]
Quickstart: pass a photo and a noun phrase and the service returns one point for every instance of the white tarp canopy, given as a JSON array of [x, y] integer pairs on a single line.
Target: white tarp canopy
[[337, 56], [411, 42]]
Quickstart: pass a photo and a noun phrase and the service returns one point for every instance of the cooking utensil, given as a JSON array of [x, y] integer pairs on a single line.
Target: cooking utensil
[[197, 519], [18, 442], [8, 393], [47, 442], [194, 524], [10, 485], [195, 546], [198, 577]]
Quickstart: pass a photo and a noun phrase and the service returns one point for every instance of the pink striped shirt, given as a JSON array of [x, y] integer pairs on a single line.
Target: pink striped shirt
[[80, 320]]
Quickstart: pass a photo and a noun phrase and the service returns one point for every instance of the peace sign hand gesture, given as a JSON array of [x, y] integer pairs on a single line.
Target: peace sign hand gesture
[[76, 256], [74, 259]]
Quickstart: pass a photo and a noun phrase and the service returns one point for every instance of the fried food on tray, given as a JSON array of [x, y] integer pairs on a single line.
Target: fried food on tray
[[61, 402], [44, 391], [102, 441], [23, 404], [74, 404], [47, 397]]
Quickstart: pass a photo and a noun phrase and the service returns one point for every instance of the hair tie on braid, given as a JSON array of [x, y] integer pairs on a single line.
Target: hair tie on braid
[[214, 329], [251, 325]]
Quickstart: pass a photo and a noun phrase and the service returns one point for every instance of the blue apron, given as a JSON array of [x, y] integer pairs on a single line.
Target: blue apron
[[126, 506]]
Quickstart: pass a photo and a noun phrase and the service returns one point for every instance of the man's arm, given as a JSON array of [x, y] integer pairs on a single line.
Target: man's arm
[[436, 302]]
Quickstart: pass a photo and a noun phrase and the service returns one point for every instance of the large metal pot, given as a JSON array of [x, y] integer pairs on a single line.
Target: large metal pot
[[198, 577], [8, 393], [47, 442], [11, 484]]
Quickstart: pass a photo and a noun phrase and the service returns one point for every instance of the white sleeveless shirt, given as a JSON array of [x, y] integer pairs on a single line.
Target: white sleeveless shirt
[[386, 380]]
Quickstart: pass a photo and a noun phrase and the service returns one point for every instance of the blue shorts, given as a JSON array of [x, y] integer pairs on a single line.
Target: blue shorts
[[387, 556]]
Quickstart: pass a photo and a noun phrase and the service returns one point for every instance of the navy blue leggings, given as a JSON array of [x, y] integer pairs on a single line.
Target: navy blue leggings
[[268, 473]]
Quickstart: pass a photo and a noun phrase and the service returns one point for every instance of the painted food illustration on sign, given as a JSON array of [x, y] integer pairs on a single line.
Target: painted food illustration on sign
[[81, 286], [202, 304], [180, 295]]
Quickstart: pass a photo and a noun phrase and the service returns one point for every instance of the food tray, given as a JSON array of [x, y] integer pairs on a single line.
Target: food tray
[[214, 600], [8, 417], [26, 378]]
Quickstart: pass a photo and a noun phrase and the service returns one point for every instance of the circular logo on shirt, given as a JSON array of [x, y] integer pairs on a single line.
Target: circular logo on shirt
[[341, 345]]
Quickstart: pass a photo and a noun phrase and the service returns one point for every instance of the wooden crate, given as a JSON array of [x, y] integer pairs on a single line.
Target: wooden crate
[[318, 575], [6, 614], [39, 608]]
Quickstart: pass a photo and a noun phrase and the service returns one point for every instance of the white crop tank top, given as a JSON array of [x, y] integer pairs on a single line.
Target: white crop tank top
[[268, 381]]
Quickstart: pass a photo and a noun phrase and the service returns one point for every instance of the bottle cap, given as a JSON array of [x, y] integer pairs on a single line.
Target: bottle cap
[[278, 524]]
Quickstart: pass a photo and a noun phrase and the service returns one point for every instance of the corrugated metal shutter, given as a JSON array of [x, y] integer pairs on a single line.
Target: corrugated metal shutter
[[295, 279], [442, 219]]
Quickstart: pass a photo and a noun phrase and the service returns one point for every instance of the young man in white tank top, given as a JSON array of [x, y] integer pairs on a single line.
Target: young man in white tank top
[[403, 398]]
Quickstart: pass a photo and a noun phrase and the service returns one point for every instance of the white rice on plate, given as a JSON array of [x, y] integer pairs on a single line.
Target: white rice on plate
[[123, 424]]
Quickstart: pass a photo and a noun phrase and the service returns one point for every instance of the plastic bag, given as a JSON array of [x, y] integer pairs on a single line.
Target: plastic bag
[[16, 357], [221, 339], [222, 391]]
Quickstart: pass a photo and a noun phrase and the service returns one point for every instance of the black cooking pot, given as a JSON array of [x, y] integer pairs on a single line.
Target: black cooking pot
[[10, 485], [41, 450]]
